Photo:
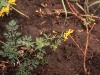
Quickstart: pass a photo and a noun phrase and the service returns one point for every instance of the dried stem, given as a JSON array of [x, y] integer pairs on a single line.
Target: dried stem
[[91, 28], [20, 12], [84, 52], [81, 17], [74, 11], [76, 44], [86, 46]]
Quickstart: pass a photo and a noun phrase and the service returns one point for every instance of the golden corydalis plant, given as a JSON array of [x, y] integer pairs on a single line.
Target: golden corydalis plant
[[5, 6], [67, 33], [12, 2]]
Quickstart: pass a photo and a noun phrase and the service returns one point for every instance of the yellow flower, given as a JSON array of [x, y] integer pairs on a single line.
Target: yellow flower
[[67, 33], [7, 8], [4, 10], [12, 2], [1, 14]]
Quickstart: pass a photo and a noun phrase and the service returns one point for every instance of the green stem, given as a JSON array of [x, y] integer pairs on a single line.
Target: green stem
[[64, 10], [97, 9], [20, 12], [18, 61]]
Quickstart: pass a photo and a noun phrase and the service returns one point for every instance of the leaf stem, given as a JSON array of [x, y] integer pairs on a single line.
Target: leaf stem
[[2, 42]]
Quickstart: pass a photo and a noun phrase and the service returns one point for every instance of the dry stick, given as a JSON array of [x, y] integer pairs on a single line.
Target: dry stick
[[74, 8], [85, 51], [82, 15], [76, 44], [70, 7], [20, 12], [89, 16], [91, 28], [86, 46], [87, 38], [73, 11]]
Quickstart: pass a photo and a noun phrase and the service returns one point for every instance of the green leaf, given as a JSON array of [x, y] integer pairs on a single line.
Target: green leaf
[[47, 37], [3, 3], [35, 63], [15, 27], [19, 41], [18, 33], [39, 43], [40, 55], [9, 28], [12, 23], [1, 52], [43, 51], [53, 46], [27, 38], [58, 42]]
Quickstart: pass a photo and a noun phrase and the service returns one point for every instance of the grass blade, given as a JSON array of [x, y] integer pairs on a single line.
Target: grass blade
[[97, 9], [87, 8], [73, 0], [64, 10], [94, 3], [80, 6]]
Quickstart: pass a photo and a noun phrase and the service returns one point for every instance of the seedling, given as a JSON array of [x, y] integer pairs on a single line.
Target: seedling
[[23, 52]]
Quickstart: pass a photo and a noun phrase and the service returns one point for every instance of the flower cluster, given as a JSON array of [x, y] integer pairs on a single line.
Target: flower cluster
[[5, 9], [67, 33]]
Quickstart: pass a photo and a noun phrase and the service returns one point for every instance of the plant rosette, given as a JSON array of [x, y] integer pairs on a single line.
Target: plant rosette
[[5, 6]]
